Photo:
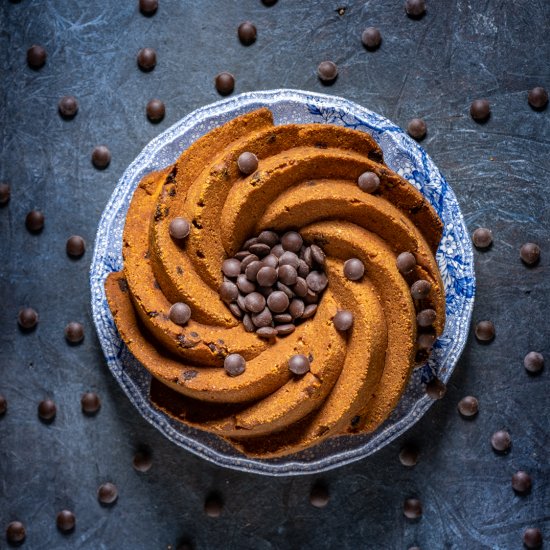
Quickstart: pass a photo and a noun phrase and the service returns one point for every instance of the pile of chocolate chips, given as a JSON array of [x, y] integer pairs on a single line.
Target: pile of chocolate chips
[[274, 283]]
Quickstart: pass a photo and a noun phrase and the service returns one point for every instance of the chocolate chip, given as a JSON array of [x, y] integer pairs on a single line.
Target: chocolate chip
[[90, 403], [292, 241], [107, 493], [267, 332], [235, 310], [289, 258], [319, 495], [482, 237], [248, 324], [234, 364], [317, 255], [287, 274], [406, 262], [27, 318], [101, 157], [247, 162], [247, 33], [327, 71], [521, 482], [180, 313], [371, 38], [415, 8], [240, 302], [303, 269], [267, 276], [296, 308], [179, 228], [155, 110], [368, 182], [270, 260], [436, 389], [262, 319], [408, 456], [3, 405], [76, 246], [533, 362], [225, 83], [309, 311], [501, 441], [420, 289], [68, 106], [485, 331], [147, 59], [213, 505], [285, 330], [143, 460], [538, 98], [231, 267], [426, 317], [36, 57], [298, 364], [417, 128], [148, 7], [247, 261], [260, 249], [530, 253], [311, 297], [5, 193], [282, 318], [15, 532], [317, 281], [277, 301], [74, 332], [468, 406], [228, 292], [241, 255], [254, 302], [532, 537], [47, 410], [34, 221], [244, 285], [300, 288], [278, 250], [343, 320], [65, 521], [412, 508], [354, 269], [480, 110], [268, 237], [307, 256]]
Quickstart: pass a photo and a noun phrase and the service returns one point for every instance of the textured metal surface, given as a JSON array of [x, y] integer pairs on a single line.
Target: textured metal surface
[[431, 68]]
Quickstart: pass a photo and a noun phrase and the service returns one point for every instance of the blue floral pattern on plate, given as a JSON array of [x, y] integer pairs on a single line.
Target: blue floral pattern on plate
[[403, 155]]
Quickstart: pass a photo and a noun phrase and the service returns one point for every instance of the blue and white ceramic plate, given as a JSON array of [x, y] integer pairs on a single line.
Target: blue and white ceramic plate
[[403, 155]]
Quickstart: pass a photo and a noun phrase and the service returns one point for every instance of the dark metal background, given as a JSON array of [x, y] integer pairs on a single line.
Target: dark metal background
[[433, 68]]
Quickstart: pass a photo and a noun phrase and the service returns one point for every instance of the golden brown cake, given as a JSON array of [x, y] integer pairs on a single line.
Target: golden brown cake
[[306, 183]]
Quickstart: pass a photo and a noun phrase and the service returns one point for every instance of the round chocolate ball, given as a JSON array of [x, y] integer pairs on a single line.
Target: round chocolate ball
[[408, 456], [412, 508], [101, 157], [90, 403], [538, 98], [34, 221], [485, 331], [327, 71], [47, 410], [426, 317], [480, 110], [415, 8], [107, 493], [68, 106], [76, 246], [436, 389], [15, 532], [319, 495], [343, 320], [74, 332], [247, 33], [425, 341], [36, 57], [225, 83], [142, 460], [65, 521], [354, 269], [501, 441], [5, 193], [155, 110], [298, 364], [27, 318], [521, 482], [533, 362], [179, 228], [530, 253], [147, 59], [213, 505], [368, 182], [247, 162], [420, 289], [468, 406], [417, 128], [371, 38], [482, 237], [234, 364], [148, 7], [406, 262], [532, 537], [180, 313]]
